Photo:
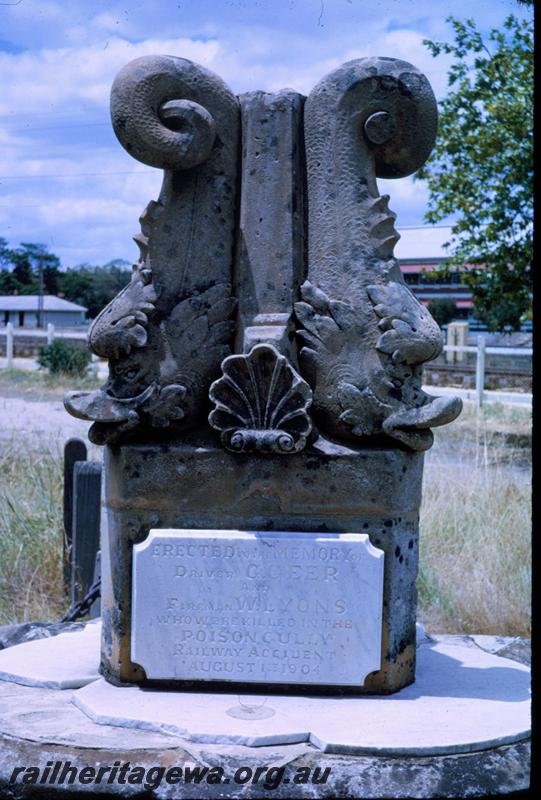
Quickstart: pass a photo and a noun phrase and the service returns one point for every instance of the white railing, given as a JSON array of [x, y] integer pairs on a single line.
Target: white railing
[[496, 351], [50, 334], [480, 349]]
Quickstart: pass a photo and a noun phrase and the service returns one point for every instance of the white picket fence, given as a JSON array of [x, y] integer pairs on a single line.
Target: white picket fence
[[480, 349], [50, 334]]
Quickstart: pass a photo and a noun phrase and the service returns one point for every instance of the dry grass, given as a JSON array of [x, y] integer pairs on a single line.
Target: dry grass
[[40, 385], [475, 560], [30, 535], [475, 563], [496, 433]]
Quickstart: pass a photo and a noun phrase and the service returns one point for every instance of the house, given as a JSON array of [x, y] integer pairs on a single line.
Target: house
[[22, 311], [419, 251]]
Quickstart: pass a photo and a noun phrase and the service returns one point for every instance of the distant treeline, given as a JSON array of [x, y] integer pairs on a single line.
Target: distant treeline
[[87, 285]]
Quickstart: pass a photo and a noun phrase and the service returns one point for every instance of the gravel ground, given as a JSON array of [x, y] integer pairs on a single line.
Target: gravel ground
[[43, 422]]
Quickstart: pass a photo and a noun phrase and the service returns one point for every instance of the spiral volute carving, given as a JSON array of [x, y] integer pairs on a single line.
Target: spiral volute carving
[[162, 111]]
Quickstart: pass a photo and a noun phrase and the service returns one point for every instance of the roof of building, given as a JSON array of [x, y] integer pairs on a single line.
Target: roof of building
[[29, 302], [425, 242]]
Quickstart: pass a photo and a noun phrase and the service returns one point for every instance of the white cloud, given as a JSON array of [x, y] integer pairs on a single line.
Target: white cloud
[[61, 83], [57, 79], [408, 199]]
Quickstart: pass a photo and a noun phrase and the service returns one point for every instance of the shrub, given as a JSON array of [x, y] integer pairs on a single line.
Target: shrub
[[443, 309], [63, 358]]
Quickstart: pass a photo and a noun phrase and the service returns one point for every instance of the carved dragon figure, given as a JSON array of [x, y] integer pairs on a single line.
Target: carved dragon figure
[[364, 334], [167, 332]]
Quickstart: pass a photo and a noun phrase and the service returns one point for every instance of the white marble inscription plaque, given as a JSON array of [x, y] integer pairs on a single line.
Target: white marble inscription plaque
[[272, 607]]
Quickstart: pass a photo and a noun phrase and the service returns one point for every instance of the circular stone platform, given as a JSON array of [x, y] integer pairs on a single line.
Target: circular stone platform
[[460, 730], [463, 700]]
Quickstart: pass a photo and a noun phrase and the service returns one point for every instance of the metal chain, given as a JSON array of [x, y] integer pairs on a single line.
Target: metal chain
[[83, 606]]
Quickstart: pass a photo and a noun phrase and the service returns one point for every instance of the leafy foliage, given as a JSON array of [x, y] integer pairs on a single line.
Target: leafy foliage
[[443, 309], [25, 261], [60, 357], [481, 169], [94, 287], [89, 286]]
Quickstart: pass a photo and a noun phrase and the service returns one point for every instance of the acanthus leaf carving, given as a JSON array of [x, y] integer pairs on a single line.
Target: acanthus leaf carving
[[410, 333], [361, 390], [122, 325], [192, 339]]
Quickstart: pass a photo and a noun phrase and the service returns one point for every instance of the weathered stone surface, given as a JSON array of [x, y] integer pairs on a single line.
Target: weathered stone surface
[[206, 251], [324, 488], [42, 725], [167, 332], [261, 403], [364, 335], [270, 260], [516, 647], [272, 607], [29, 631], [65, 661], [463, 700], [494, 772]]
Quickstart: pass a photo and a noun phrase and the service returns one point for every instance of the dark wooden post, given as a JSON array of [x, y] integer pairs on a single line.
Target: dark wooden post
[[74, 450], [95, 608], [86, 526]]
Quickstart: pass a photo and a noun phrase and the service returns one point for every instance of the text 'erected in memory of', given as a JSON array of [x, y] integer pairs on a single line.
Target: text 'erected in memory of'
[[258, 607]]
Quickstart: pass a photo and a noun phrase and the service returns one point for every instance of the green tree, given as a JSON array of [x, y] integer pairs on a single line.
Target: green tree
[[5, 253], [90, 286], [94, 287], [76, 285], [26, 260], [9, 283], [443, 309], [481, 169]]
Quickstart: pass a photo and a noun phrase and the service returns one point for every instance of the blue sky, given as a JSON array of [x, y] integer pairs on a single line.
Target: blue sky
[[65, 180]]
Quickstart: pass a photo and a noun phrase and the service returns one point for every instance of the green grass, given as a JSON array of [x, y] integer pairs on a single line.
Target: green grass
[[40, 385]]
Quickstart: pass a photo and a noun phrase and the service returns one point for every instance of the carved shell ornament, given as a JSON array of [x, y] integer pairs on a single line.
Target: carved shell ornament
[[261, 403]]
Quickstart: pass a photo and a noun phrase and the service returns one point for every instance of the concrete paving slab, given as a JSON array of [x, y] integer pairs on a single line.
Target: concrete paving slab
[[67, 661]]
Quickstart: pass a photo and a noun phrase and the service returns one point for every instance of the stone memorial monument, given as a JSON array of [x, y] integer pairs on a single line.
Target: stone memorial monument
[[264, 428], [263, 421]]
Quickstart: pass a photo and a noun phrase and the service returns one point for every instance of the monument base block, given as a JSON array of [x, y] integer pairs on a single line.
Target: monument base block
[[327, 488]]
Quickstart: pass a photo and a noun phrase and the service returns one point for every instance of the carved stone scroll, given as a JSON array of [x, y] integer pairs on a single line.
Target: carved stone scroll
[[364, 334], [166, 334]]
